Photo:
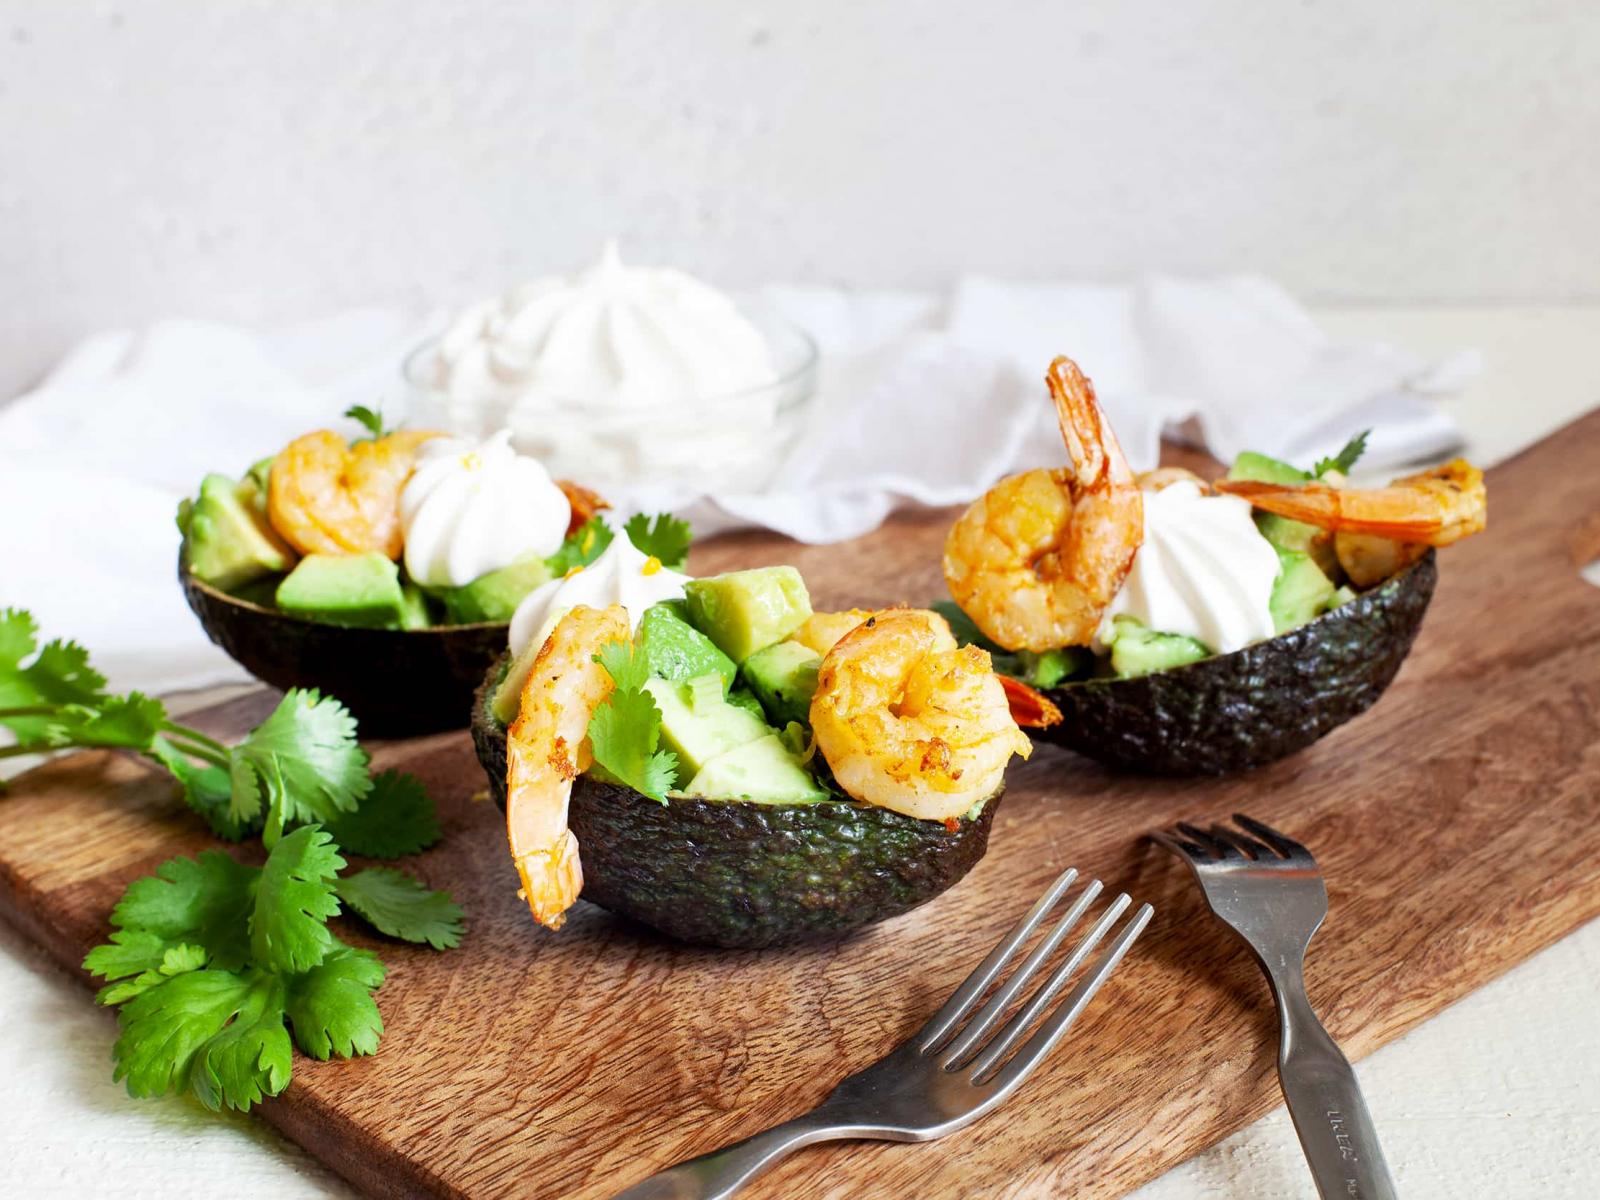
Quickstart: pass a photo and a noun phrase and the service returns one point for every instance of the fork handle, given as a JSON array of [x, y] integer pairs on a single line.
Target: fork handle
[[723, 1172], [1335, 1128]]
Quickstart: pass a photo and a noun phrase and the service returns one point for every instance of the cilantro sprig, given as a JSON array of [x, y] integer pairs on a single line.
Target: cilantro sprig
[[665, 536], [1345, 459], [369, 419], [625, 731], [215, 965]]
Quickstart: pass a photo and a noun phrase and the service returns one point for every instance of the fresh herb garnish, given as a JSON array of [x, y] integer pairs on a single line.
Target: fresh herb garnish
[[1345, 459], [666, 537], [625, 731], [211, 961], [582, 546], [369, 419]]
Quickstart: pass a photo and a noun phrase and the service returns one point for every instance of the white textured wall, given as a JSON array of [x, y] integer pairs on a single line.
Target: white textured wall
[[268, 159]]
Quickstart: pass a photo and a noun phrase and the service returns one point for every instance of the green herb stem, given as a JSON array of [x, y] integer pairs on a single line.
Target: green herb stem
[[194, 735], [29, 710]]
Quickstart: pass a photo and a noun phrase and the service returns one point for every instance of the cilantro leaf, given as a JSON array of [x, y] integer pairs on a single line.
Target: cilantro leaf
[[624, 733], [204, 901], [331, 1007], [581, 547], [1345, 459], [305, 757], [369, 419], [208, 790], [401, 906], [667, 538], [293, 901], [629, 669], [396, 818], [59, 674], [174, 960], [165, 1026], [249, 1058], [130, 721]]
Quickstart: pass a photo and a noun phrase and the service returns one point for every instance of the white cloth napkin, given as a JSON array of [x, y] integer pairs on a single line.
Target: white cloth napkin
[[923, 400]]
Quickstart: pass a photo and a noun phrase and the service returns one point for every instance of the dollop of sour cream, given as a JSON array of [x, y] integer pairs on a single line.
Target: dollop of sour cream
[[472, 507], [623, 574], [1204, 570], [612, 336]]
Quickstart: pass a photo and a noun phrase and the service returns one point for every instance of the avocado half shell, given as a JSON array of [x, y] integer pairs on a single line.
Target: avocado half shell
[[1257, 705], [397, 682], [742, 875]]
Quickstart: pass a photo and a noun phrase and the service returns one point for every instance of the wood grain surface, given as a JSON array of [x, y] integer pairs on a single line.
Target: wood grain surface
[[1458, 824]]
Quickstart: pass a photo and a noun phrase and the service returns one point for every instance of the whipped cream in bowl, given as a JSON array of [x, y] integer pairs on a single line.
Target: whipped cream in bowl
[[623, 377]]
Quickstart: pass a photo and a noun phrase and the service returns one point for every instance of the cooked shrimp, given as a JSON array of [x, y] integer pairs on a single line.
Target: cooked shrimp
[[327, 497], [910, 722], [1165, 477], [1377, 531], [822, 630], [1037, 559], [584, 504], [547, 748]]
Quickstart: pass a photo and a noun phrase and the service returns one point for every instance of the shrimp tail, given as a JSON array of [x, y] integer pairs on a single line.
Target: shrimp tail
[[551, 878], [1030, 708], [1092, 445]]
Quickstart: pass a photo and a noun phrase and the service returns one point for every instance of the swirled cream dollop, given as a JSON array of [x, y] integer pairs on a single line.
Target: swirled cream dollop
[[472, 507], [611, 336], [1204, 570], [623, 574]]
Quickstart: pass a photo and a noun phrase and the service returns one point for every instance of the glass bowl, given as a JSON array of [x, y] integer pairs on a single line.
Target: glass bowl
[[733, 442]]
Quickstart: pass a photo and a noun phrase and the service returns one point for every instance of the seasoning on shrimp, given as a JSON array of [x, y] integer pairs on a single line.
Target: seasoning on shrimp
[[325, 496], [547, 747], [908, 721], [1038, 558], [1379, 531]]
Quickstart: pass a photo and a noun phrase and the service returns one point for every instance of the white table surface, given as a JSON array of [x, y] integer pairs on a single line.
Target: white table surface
[[1498, 1095]]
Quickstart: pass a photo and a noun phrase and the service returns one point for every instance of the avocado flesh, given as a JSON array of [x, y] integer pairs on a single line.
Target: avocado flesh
[[414, 613], [746, 875], [1233, 712], [227, 540], [1285, 533], [698, 727], [746, 611], [494, 596], [675, 649], [1138, 650], [1300, 593], [361, 590], [759, 772], [783, 677]]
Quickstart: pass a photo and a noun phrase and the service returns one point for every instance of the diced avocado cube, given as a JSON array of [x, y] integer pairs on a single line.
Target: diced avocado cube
[[507, 702], [494, 596], [677, 650], [698, 733], [1300, 593], [1264, 469], [762, 772], [1137, 650], [1046, 668], [1340, 597], [746, 611], [345, 589], [783, 676], [226, 538], [260, 473], [414, 612]]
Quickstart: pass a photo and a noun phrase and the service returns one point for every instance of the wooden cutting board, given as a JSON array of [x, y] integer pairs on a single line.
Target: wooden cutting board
[[1458, 825]]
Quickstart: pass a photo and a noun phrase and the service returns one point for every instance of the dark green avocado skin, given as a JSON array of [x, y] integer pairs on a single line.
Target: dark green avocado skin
[[396, 682], [747, 875], [1257, 705]]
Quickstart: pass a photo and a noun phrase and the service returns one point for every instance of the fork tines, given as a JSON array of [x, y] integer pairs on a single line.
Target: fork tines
[[969, 1049], [1224, 843]]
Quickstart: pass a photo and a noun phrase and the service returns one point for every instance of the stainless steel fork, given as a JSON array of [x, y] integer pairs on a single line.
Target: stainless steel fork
[[1268, 890], [948, 1074]]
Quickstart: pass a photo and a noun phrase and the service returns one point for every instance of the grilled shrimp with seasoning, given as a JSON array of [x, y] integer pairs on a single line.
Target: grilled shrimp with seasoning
[[547, 747], [1037, 559], [909, 721]]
